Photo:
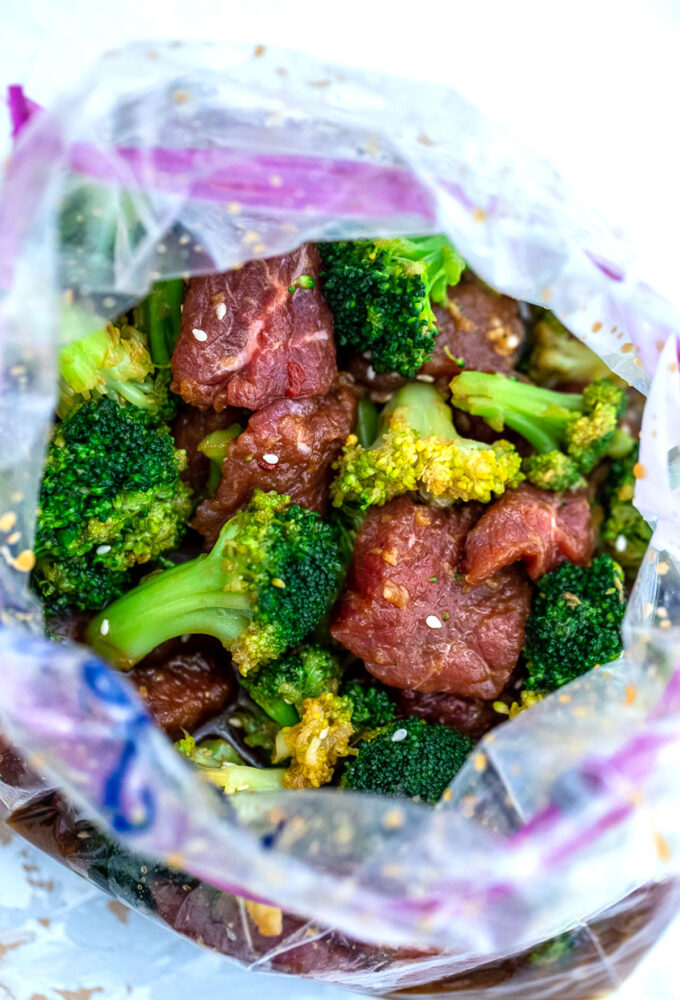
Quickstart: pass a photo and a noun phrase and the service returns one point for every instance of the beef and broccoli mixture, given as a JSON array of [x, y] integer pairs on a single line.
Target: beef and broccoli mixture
[[339, 513]]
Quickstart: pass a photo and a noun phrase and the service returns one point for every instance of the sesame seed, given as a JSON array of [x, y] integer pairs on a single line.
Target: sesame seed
[[183, 240], [639, 471], [662, 568], [665, 623], [662, 613], [621, 543], [399, 735], [425, 378], [324, 733], [433, 622], [104, 627], [109, 302], [270, 459], [242, 788], [8, 520], [161, 248], [103, 549], [200, 334], [220, 310]]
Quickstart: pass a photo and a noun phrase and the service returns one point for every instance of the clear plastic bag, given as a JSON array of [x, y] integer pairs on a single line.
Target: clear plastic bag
[[179, 160]]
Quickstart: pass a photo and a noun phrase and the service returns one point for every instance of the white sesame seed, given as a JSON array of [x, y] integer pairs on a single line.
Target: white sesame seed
[[236, 723], [108, 302], [104, 627], [270, 459], [425, 378], [621, 543], [220, 310], [399, 735], [433, 622], [200, 334], [370, 372], [323, 734], [103, 549], [242, 788], [184, 239]]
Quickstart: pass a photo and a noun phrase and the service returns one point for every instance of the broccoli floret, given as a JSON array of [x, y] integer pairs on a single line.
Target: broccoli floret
[[411, 758], [379, 292], [624, 530], [266, 583], [280, 687], [316, 743], [555, 950], [111, 497], [575, 430], [159, 315], [419, 448], [557, 356], [575, 622], [220, 764], [372, 706], [257, 729], [113, 362]]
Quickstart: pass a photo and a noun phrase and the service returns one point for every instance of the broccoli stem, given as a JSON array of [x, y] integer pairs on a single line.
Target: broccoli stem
[[190, 598], [276, 708], [538, 414], [423, 409], [243, 778], [214, 447], [159, 316], [367, 423]]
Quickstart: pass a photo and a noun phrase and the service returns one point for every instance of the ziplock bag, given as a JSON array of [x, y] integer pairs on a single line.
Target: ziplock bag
[[562, 827]]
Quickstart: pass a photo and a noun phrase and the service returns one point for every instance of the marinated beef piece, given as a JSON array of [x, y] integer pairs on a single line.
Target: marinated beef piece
[[184, 683], [539, 527], [408, 613], [288, 447], [480, 326], [246, 340], [189, 429], [471, 716]]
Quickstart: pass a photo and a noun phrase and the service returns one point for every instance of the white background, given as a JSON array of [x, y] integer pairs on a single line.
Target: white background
[[594, 86]]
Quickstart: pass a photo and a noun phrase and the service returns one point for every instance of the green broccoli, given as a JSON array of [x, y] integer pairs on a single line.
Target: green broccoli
[[575, 622], [281, 686], [410, 758], [159, 315], [257, 729], [557, 356], [624, 530], [115, 363], [221, 765], [379, 292], [111, 497], [372, 705], [419, 448], [266, 583], [572, 432]]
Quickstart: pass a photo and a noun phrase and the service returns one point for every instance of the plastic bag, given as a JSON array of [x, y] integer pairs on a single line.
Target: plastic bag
[[180, 160]]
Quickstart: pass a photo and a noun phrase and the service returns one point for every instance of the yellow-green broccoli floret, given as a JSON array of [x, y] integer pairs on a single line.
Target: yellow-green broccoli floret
[[317, 742], [419, 448], [572, 432]]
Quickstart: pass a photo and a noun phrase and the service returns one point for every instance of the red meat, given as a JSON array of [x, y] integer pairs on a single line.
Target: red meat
[[537, 526], [247, 340], [288, 447], [408, 613], [471, 716], [184, 683]]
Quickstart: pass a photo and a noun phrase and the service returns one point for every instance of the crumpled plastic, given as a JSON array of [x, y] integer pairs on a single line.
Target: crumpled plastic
[[185, 159]]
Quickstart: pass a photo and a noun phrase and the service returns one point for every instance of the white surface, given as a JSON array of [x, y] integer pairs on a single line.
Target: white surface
[[593, 84]]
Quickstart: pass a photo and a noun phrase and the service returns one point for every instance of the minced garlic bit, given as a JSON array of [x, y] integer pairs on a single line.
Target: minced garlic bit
[[25, 561], [270, 459], [104, 627], [8, 520], [433, 622], [200, 335], [399, 735]]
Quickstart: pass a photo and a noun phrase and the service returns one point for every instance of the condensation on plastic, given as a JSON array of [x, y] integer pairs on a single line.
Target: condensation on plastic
[[185, 159]]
